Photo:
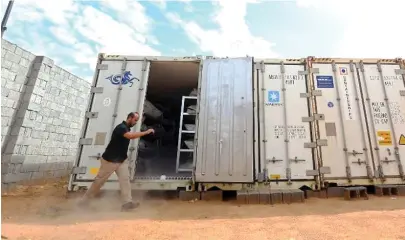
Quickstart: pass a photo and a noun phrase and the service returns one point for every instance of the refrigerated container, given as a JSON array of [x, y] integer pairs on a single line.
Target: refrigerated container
[[283, 123], [362, 103], [224, 117], [285, 131]]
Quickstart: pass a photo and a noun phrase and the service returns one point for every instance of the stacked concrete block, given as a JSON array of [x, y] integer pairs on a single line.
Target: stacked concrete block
[[44, 130], [16, 64]]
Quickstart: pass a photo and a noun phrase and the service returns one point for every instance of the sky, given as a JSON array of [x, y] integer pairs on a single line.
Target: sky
[[72, 33]]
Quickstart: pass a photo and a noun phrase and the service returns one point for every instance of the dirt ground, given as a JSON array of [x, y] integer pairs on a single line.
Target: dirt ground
[[43, 212]]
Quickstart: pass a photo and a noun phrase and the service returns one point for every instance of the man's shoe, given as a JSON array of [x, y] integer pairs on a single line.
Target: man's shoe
[[129, 206]]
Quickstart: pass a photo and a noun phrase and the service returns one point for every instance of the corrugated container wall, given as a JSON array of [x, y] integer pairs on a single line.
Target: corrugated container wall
[[109, 102], [297, 121], [284, 126], [226, 130], [363, 120]]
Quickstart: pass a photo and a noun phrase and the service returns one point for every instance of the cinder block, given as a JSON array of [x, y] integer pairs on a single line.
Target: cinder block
[[335, 192], [276, 196], [188, 196], [8, 45], [17, 159], [30, 167], [15, 178], [212, 195], [401, 190], [6, 167], [264, 196], [253, 197], [386, 190], [242, 197], [351, 193], [37, 175]]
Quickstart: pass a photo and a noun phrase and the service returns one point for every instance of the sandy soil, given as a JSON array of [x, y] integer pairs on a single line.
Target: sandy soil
[[43, 212]]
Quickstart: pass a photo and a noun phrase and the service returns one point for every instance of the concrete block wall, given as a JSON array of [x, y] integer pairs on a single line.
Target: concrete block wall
[[43, 118]]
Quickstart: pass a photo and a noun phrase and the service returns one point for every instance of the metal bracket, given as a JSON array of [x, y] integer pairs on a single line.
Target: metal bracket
[[324, 170], [355, 153], [322, 142], [310, 145], [315, 117], [102, 66], [86, 141], [79, 170], [98, 156], [319, 142], [402, 93], [312, 173], [296, 160], [400, 71], [91, 114], [313, 93], [274, 160], [387, 161], [306, 72], [359, 162], [97, 90], [260, 66]]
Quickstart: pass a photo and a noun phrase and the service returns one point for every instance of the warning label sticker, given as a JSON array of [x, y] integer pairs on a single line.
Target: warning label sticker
[[402, 139], [384, 138]]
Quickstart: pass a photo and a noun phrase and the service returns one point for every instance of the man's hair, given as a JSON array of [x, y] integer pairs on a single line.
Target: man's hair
[[132, 115]]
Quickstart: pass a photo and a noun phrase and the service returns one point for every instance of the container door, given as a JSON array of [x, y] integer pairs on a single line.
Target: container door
[[283, 132], [110, 105], [347, 153], [225, 122], [384, 89]]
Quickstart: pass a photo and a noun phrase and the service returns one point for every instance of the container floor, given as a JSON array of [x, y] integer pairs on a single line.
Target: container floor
[[157, 162]]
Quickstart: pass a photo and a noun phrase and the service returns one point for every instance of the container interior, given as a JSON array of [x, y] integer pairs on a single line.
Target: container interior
[[168, 83]]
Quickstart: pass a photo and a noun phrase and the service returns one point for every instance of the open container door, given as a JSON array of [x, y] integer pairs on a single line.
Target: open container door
[[225, 121], [119, 88]]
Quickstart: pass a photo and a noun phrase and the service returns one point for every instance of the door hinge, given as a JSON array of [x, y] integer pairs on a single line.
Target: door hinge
[[79, 170], [315, 117], [402, 93], [260, 66], [86, 141], [102, 66], [91, 114], [312, 173], [313, 93], [319, 142], [311, 70], [324, 170], [97, 90]]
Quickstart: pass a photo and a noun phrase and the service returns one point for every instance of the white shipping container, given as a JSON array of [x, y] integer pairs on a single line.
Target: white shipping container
[[384, 90], [283, 109], [363, 106], [347, 152], [225, 119]]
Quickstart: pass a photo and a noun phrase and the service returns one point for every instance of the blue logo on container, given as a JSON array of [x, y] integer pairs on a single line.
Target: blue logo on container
[[126, 79], [273, 97], [330, 104], [324, 82]]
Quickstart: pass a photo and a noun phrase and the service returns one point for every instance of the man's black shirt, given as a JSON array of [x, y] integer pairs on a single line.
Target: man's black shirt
[[117, 148]]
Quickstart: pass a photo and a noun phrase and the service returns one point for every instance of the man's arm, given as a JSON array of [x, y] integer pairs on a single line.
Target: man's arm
[[134, 135]]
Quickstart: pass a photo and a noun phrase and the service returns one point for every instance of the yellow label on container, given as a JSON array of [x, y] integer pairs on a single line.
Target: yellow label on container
[[402, 139], [94, 171], [275, 176], [384, 138]]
